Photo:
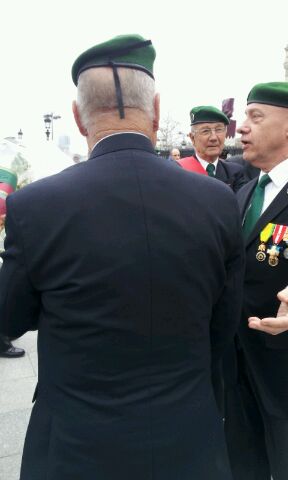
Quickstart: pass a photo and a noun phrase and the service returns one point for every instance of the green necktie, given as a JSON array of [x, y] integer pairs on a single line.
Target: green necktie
[[256, 205], [210, 169]]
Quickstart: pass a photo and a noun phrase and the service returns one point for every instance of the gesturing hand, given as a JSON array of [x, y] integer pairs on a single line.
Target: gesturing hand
[[273, 325]]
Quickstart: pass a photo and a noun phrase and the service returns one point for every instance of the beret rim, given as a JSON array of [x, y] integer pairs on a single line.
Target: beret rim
[[207, 114], [125, 49], [269, 93], [116, 64], [266, 102]]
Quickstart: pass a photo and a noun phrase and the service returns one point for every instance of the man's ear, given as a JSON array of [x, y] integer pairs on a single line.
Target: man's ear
[[191, 135], [156, 117], [78, 121]]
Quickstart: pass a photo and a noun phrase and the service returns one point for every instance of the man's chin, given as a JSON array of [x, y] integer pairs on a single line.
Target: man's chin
[[213, 153], [248, 158]]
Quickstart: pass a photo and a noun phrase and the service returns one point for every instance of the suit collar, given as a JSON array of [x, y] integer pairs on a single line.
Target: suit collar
[[122, 141]]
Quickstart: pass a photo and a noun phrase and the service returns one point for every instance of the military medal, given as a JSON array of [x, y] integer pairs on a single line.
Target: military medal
[[273, 261], [285, 236], [274, 251], [260, 256], [264, 236], [285, 239]]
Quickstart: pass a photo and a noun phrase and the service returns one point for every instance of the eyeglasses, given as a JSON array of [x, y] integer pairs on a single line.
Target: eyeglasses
[[206, 132]]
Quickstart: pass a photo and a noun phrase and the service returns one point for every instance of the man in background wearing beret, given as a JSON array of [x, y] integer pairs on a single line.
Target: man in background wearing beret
[[257, 388], [133, 281], [208, 131]]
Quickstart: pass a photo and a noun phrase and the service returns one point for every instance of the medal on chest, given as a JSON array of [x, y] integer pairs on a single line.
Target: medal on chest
[[285, 239], [275, 249], [264, 236]]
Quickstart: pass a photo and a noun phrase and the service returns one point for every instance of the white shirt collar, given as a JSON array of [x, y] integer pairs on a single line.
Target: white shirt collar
[[204, 163], [118, 133], [278, 174]]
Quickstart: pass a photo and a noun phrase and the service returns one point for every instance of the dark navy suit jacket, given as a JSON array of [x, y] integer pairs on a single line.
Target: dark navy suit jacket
[[231, 174], [266, 354], [132, 274]]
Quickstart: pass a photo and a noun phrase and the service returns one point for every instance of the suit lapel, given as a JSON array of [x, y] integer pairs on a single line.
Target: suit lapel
[[244, 195], [221, 173], [275, 208]]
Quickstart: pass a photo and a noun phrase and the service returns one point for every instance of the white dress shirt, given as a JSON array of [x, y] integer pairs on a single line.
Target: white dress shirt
[[204, 163], [279, 177]]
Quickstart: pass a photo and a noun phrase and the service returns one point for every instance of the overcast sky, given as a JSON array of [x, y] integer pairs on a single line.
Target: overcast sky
[[207, 50]]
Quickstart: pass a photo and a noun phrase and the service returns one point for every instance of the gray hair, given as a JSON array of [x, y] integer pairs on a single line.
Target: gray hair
[[96, 92]]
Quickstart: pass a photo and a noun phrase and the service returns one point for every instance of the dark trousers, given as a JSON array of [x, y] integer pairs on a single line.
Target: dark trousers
[[257, 442], [4, 343]]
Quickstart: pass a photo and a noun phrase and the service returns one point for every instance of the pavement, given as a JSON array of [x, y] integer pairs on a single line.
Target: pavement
[[18, 378]]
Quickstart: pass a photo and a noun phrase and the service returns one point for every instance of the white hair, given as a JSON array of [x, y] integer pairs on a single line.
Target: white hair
[[96, 92]]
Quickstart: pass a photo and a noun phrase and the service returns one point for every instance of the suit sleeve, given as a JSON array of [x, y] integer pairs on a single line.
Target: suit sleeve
[[19, 300], [227, 310]]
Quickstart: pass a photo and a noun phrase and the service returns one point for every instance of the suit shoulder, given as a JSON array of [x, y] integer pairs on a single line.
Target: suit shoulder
[[246, 187], [48, 186], [206, 185], [232, 167]]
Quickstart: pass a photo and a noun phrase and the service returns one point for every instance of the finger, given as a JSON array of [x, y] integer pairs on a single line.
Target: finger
[[279, 322], [250, 319], [255, 323], [282, 310], [265, 329], [283, 295]]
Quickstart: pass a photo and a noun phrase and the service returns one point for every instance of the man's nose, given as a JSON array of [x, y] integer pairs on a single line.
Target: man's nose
[[243, 129], [212, 134]]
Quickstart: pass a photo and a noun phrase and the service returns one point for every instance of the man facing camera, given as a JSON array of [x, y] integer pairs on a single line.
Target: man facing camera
[[208, 132], [133, 282], [257, 416]]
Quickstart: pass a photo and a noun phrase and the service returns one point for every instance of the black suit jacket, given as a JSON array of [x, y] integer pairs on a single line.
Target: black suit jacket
[[249, 171], [267, 355], [231, 174], [132, 274]]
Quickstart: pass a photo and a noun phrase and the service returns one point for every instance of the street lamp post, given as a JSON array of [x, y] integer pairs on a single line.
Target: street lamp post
[[48, 121], [184, 141]]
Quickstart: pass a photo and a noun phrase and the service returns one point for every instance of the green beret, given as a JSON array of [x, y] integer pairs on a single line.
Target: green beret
[[130, 51], [273, 93], [207, 114]]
